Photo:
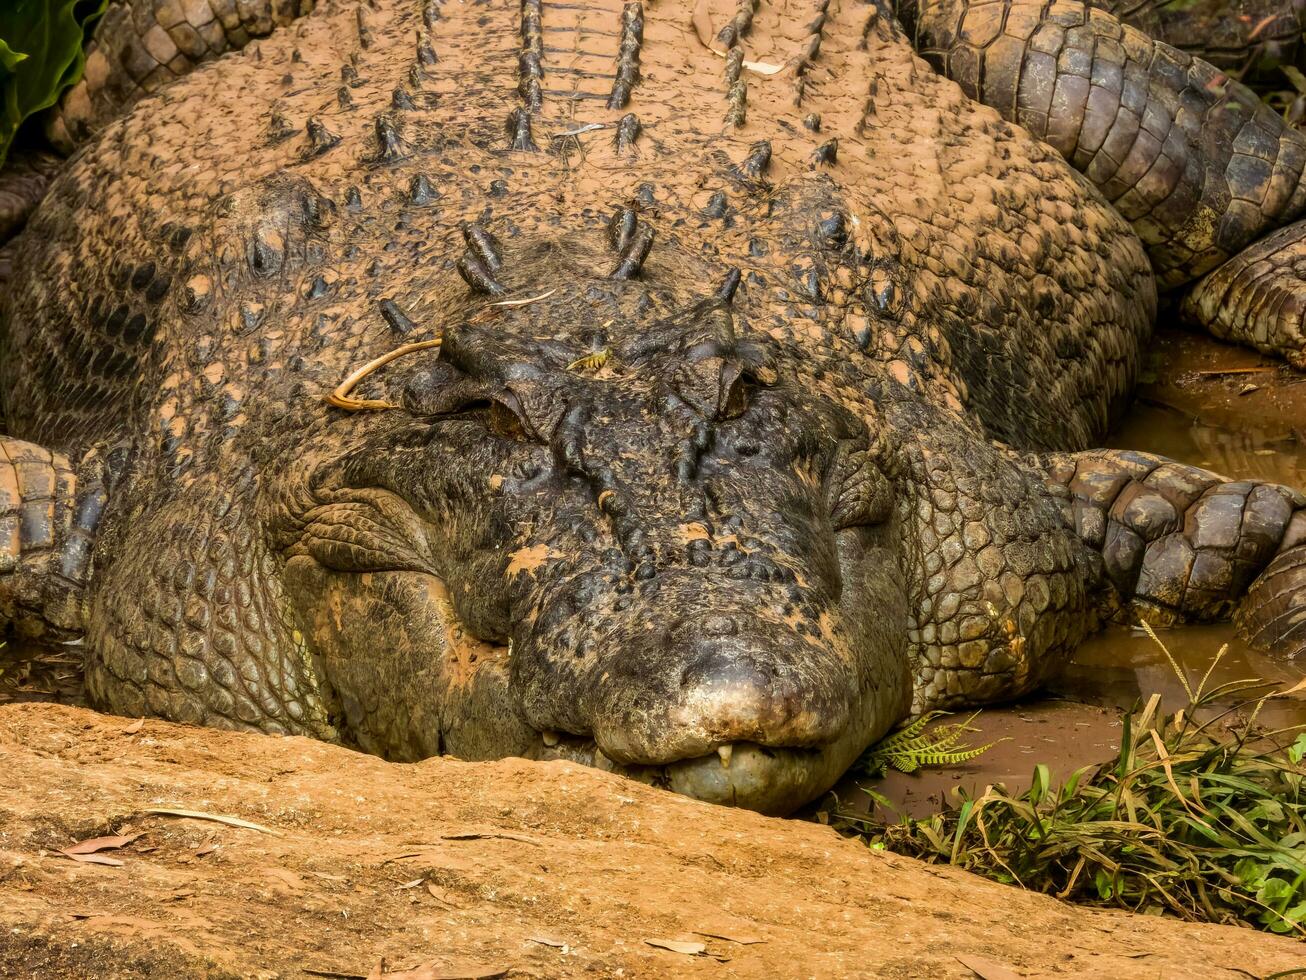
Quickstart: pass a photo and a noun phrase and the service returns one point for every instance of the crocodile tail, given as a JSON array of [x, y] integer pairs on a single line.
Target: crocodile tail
[[1182, 544], [42, 542], [1273, 615], [1192, 158]]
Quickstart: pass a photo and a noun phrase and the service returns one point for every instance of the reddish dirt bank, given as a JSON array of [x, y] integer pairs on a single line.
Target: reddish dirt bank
[[511, 868]]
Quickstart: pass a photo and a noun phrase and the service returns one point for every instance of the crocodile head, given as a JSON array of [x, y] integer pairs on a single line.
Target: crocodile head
[[619, 527]]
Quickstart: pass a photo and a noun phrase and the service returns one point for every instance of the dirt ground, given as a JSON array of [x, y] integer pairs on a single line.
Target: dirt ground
[[496, 869]]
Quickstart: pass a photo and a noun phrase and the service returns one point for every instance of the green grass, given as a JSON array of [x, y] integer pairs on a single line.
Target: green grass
[[1201, 815]]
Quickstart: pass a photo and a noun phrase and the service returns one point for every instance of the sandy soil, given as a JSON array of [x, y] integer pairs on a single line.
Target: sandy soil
[[511, 868]]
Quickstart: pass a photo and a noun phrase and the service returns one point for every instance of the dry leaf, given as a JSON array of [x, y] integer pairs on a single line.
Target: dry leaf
[[410, 884], [730, 937], [761, 67], [215, 817], [93, 844], [549, 941], [476, 835], [207, 848], [443, 895], [987, 969], [134, 727], [95, 859], [678, 946]]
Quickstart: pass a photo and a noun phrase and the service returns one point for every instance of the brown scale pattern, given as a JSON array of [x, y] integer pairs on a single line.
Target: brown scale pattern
[[139, 46], [1185, 542], [1247, 38], [1194, 160], [1258, 297], [943, 276]]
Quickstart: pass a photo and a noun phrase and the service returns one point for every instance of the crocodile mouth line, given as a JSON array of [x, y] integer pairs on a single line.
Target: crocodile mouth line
[[773, 780]]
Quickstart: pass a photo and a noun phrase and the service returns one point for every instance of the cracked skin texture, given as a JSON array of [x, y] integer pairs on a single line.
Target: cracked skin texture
[[744, 439]]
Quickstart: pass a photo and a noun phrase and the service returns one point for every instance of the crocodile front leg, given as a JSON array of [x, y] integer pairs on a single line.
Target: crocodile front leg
[[1182, 544], [48, 516], [188, 621]]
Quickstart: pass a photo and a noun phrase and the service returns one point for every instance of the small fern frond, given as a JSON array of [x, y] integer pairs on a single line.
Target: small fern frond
[[911, 747]]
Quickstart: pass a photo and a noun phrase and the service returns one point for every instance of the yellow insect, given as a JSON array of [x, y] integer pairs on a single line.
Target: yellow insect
[[590, 362]]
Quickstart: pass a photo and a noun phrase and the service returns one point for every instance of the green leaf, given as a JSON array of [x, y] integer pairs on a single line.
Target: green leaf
[[1042, 780], [1274, 891], [9, 58], [1103, 883], [1298, 82], [1250, 872], [41, 50], [1297, 749]]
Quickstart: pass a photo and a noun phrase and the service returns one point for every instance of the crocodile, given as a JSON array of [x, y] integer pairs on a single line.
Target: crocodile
[[695, 391]]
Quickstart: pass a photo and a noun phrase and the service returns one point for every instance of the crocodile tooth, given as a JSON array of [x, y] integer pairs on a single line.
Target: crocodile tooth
[[725, 752], [550, 738]]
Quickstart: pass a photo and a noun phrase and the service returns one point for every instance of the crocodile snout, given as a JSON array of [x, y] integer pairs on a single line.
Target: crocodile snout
[[721, 680]]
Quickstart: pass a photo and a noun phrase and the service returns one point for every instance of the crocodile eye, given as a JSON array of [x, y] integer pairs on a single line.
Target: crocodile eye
[[505, 423], [858, 493], [737, 397]]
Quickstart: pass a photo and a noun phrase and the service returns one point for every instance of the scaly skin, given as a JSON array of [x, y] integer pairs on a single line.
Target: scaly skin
[[136, 49], [743, 437], [1247, 38], [140, 46]]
